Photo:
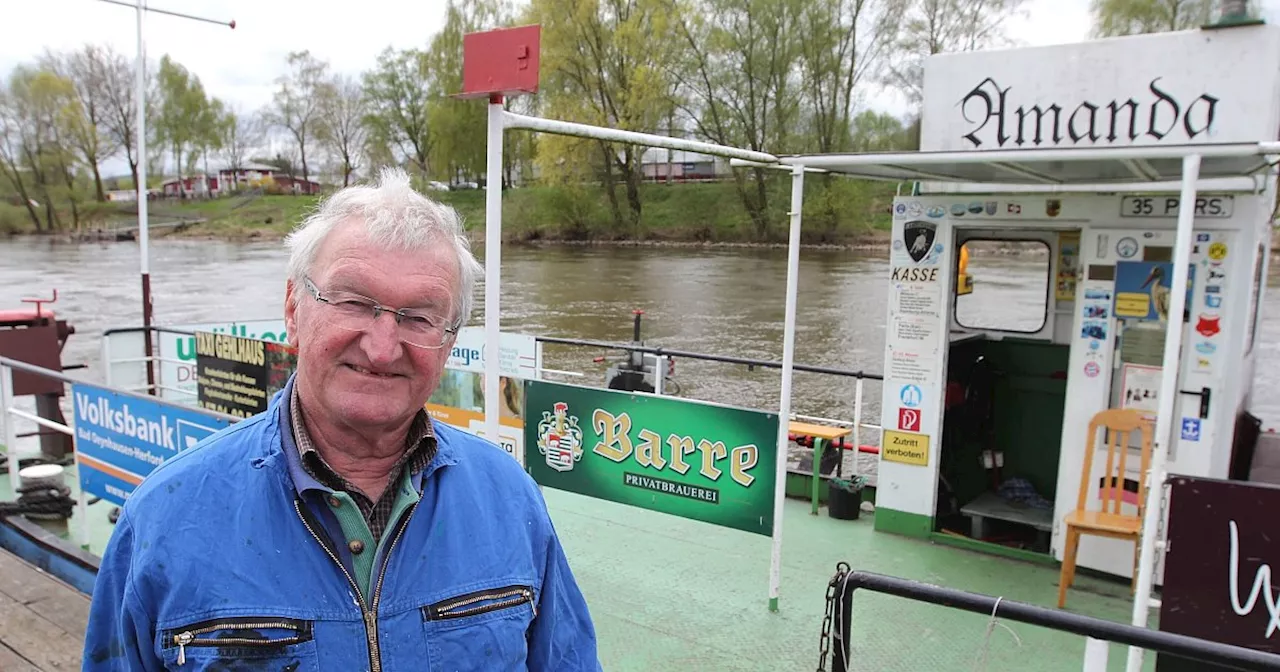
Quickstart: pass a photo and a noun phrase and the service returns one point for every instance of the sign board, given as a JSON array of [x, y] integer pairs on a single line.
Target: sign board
[[459, 401], [1207, 207], [121, 438], [1218, 569], [237, 376], [518, 353], [690, 459], [1180, 88], [1143, 290], [179, 371]]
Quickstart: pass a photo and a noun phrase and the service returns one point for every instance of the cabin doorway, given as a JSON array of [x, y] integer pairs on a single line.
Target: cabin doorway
[[1006, 382]]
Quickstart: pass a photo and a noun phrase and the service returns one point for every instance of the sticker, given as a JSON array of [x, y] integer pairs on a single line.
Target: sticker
[[1094, 329], [957, 210], [1212, 289], [1053, 207], [910, 396], [1206, 348], [1203, 364], [1144, 288], [1202, 237], [905, 448], [897, 245], [975, 207], [937, 211], [1013, 209], [1216, 273], [909, 419], [900, 209], [1218, 251], [918, 237], [1095, 310], [1127, 247], [1095, 344], [1096, 294], [991, 207], [1213, 301], [1191, 429], [1091, 369], [915, 209], [1141, 385], [1208, 325], [1148, 234]]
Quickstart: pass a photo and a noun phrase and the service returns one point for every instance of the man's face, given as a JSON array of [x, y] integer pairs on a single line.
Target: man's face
[[369, 379]]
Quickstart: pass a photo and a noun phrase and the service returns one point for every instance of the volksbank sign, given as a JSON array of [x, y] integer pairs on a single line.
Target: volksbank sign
[[1152, 90], [120, 438]]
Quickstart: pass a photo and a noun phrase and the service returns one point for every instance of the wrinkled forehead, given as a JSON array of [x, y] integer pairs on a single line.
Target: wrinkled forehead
[[349, 260]]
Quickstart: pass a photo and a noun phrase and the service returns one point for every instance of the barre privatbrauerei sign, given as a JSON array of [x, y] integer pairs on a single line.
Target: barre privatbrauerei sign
[[690, 459], [1218, 572], [236, 375]]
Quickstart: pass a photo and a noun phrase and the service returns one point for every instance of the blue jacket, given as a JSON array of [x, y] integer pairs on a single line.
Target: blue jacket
[[225, 556]]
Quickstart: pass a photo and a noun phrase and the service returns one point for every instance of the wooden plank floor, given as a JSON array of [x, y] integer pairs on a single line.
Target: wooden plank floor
[[42, 620]]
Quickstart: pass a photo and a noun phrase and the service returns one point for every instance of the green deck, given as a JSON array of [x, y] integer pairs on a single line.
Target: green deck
[[669, 593]]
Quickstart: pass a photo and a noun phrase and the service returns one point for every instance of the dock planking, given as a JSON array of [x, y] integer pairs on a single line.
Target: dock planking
[[42, 620]]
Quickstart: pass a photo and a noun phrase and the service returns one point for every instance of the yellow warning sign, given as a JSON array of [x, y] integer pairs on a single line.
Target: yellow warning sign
[[1133, 304], [1218, 251], [905, 447]]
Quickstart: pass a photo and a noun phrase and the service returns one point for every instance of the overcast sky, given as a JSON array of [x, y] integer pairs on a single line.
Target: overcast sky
[[240, 66]]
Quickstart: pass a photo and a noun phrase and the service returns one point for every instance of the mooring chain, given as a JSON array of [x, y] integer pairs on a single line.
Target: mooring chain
[[824, 641]]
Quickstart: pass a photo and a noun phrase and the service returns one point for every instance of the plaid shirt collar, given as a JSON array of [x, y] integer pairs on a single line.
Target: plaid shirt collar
[[420, 448]]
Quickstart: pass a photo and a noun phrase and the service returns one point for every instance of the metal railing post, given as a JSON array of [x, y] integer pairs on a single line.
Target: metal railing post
[[857, 424], [10, 427], [106, 359]]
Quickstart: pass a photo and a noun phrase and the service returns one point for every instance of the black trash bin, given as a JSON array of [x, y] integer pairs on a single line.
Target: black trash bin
[[844, 499]]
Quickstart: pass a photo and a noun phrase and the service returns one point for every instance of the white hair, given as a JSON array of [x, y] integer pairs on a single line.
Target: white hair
[[395, 217]]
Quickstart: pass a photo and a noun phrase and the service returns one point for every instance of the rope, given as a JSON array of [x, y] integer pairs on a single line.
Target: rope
[[41, 501], [981, 663]]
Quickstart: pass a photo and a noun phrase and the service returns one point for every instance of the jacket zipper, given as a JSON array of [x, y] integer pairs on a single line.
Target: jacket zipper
[[370, 615], [188, 637], [460, 607], [370, 621]]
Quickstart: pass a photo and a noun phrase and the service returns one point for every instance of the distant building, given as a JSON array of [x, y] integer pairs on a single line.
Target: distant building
[[683, 166], [229, 180]]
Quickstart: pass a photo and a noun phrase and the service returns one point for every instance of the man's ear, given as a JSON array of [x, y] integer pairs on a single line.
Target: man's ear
[[290, 310]]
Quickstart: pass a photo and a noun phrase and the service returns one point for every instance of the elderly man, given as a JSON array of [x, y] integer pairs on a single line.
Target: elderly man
[[343, 529]]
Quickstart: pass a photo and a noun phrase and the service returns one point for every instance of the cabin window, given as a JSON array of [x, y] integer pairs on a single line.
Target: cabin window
[[1259, 264], [1010, 285]]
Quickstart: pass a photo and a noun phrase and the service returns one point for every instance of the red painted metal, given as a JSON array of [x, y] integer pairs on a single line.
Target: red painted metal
[[500, 62]]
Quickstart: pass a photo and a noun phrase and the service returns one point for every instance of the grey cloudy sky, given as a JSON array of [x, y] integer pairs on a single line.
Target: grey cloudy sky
[[240, 65]]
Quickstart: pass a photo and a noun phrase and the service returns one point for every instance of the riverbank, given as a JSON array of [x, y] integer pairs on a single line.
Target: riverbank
[[843, 214]]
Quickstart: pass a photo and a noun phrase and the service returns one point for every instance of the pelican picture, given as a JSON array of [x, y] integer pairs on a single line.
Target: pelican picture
[[1159, 293]]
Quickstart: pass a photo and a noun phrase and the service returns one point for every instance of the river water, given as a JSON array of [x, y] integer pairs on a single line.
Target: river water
[[723, 301]]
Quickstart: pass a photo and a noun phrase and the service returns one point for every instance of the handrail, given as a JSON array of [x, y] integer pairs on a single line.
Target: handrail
[[1201, 650], [49, 373], [714, 358], [133, 330]]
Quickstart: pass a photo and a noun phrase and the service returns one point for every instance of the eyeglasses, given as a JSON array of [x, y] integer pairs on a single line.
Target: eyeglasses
[[354, 312]]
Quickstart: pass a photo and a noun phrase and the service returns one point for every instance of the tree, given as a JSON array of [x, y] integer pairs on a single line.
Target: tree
[[938, 26], [183, 120], [396, 92], [605, 63], [240, 132], [738, 84], [459, 125], [296, 104], [1133, 17], [340, 126], [121, 114], [39, 111], [88, 70]]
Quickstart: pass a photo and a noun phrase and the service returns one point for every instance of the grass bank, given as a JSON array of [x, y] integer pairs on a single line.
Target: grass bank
[[842, 212]]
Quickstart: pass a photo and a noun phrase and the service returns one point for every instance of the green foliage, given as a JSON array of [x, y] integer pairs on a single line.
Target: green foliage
[[1133, 17]]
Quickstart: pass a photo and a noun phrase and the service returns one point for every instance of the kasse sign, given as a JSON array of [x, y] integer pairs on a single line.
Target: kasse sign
[[1189, 87]]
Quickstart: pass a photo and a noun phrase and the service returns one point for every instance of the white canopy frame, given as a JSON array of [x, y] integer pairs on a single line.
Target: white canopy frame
[[501, 120], [1234, 167]]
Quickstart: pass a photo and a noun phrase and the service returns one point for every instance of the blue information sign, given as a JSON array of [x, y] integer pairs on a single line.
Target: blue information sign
[[121, 438]]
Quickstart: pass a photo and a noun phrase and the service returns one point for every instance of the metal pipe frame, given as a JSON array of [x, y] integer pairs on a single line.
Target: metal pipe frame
[[1201, 650], [513, 120], [711, 358]]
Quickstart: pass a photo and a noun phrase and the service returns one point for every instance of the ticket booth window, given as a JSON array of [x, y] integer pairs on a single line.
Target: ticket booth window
[[1010, 291]]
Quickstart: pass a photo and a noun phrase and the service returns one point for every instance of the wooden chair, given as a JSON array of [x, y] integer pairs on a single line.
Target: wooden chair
[[1110, 522]]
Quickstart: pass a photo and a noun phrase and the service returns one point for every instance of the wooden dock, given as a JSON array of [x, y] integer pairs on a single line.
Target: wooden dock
[[42, 619]]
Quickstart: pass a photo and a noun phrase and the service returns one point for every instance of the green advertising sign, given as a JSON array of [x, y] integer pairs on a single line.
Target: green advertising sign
[[691, 459]]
